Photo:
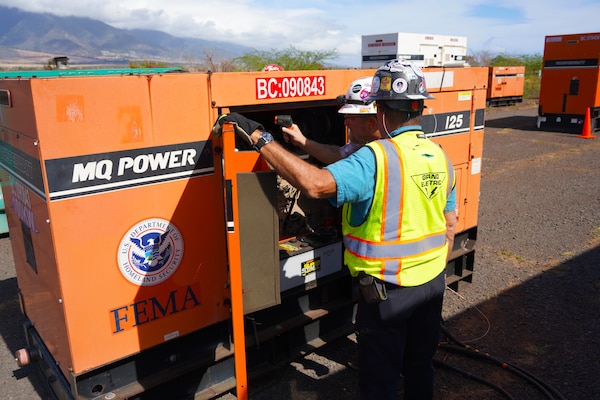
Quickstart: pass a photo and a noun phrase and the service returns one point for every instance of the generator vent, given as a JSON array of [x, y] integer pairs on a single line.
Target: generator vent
[[4, 98]]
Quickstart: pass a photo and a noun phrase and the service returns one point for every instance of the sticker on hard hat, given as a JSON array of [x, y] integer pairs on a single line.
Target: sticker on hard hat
[[400, 85], [386, 83], [418, 70], [150, 252], [375, 85]]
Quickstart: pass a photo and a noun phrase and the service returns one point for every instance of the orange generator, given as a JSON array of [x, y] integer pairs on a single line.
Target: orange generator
[[505, 85], [570, 84], [145, 246]]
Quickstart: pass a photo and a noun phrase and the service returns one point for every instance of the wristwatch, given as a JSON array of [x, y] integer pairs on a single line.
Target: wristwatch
[[265, 137]]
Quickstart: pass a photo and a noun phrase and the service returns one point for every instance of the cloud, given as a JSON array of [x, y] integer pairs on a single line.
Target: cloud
[[513, 26]]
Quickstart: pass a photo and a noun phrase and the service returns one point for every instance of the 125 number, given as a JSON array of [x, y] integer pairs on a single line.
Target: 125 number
[[454, 121]]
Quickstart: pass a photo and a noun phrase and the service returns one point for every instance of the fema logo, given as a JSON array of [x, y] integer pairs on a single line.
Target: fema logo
[[150, 252]]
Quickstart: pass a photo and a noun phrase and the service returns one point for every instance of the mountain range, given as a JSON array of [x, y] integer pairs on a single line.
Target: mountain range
[[28, 38]]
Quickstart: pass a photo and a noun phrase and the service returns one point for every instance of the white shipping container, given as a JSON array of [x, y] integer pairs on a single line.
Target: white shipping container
[[425, 50]]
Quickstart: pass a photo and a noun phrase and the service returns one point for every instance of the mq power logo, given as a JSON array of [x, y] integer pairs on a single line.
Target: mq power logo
[[104, 172]]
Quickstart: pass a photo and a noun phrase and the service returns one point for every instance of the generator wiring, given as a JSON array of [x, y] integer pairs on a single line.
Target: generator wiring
[[289, 211]]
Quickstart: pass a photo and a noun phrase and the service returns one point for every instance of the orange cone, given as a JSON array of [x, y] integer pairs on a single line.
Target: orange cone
[[586, 132]]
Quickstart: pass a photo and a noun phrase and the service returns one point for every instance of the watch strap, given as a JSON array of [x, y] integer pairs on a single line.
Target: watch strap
[[265, 137]]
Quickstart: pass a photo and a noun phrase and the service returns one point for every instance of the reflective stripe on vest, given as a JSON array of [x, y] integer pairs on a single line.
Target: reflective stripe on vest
[[392, 250], [403, 240]]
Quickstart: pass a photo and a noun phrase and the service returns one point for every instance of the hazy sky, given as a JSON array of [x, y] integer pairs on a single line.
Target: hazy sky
[[511, 26]]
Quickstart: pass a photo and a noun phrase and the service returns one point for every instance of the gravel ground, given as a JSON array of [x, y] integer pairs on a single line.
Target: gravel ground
[[533, 303]]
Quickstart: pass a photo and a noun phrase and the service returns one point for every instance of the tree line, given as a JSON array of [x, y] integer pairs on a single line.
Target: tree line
[[293, 59]]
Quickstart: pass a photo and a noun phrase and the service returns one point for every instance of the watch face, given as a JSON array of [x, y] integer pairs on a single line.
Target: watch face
[[265, 137]]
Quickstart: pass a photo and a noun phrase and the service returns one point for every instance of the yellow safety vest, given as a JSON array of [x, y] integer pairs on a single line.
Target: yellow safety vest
[[403, 239]]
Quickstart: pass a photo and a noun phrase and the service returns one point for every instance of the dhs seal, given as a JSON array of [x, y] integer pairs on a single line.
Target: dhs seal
[[150, 252]]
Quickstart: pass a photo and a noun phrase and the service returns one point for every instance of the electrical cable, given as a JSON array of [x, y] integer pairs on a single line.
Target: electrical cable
[[487, 320], [459, 347], [537, 383], [464, 348], [475, 378]]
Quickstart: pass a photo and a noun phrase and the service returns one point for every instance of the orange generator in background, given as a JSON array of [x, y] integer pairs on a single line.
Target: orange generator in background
[[145, 246], [570, 82], [505, 85]]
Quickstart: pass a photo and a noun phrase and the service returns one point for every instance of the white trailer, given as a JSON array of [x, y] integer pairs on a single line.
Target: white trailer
[[424, 50]]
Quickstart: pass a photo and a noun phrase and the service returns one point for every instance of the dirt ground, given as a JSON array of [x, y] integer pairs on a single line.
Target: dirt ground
[[531, 312]]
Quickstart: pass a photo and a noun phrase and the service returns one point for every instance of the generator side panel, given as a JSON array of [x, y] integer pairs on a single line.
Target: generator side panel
[[455, 120], [136, 211], [27, 212], [506, 84], [569, 91], [570, 79]]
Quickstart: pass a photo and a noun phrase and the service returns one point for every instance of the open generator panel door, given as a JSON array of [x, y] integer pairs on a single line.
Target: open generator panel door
[[308, 230]]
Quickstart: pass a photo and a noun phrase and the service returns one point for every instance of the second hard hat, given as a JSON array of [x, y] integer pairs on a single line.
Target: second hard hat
[[354, 100]]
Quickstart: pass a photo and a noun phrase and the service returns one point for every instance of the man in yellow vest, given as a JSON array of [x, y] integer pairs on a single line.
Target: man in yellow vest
[[398, 224]]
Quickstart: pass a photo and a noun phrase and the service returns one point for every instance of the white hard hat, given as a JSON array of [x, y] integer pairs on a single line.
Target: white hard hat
[[354, 100]]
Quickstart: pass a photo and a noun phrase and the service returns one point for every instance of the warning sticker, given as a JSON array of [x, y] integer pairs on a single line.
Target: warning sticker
[[310, 266], [430, 183]]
